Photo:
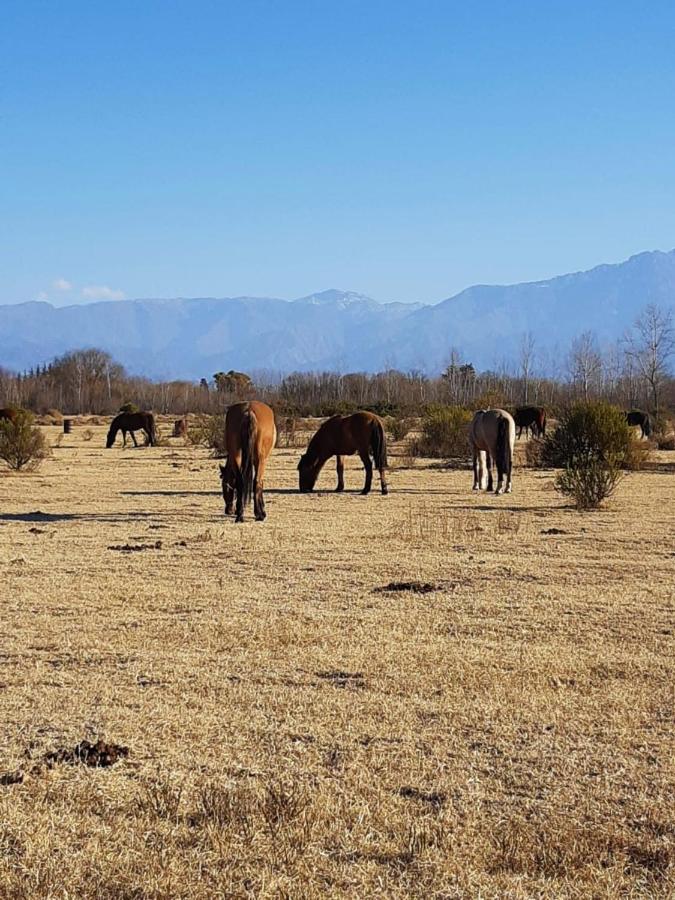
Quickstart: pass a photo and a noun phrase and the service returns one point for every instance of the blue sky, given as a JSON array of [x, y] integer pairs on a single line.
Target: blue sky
[[404, 150]]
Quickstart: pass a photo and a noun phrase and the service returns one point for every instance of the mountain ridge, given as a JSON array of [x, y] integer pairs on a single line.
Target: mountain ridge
[[340, 330]]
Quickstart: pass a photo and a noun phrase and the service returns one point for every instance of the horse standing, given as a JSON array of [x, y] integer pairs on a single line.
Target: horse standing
[[492, 437], [642, 420], [131, 422], [10, 414], [340, 436], [250, 436], [530, 417]]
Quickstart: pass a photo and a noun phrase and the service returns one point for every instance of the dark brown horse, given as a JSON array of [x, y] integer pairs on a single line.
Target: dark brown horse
[[530, 418], [10, 413], [250, 436], [642, 420], [131, 422], [340, 436]]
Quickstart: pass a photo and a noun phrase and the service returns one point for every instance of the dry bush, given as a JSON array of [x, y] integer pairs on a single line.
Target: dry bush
[[87, 434], [56, 416], [289, 430], [534, 451], [398, 429], [22, 446], [444, 434], [209, 431]]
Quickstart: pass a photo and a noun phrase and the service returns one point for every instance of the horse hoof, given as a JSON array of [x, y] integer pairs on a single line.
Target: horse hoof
[[239, 519], [385, 491]]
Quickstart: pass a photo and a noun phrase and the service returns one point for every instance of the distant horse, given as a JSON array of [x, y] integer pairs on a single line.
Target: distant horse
[[250, 436], [180, 427], [10, 414], [493, 433], [530, 418], [131, 422], [340, 436], [642, 420]]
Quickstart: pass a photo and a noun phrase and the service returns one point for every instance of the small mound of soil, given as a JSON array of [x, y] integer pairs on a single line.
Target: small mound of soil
[[135, 548], [98, 756], [11, 778], [343, 679], [435, 798], [415, 587], [553, 531]]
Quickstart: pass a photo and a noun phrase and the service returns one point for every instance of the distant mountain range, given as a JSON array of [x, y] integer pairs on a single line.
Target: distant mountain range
[[341, 330]]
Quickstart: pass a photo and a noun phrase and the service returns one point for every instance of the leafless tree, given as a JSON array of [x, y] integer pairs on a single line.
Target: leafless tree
[[649, 345], [527, 348], [585, 363]]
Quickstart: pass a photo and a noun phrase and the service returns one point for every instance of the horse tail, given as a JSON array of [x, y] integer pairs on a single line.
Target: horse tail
[[378, 444], [503, 456], [542, 426], [249, 436]]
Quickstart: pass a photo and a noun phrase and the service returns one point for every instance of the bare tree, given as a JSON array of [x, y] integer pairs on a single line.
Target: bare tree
[[527, 346], [650, 345], [585, 363]]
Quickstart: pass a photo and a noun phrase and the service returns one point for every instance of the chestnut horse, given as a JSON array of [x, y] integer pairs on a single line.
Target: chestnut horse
[[492, 436], [250, 436], [124, 422], [9, 413], [530, 417], [362, 433]]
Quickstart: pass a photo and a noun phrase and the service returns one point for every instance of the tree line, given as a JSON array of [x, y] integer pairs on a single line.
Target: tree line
[[635, 372]]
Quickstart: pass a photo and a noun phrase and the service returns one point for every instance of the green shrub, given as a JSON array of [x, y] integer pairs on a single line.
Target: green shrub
[[21, 445], [592, 432], [129, 408], [589, 483], [445, 433]]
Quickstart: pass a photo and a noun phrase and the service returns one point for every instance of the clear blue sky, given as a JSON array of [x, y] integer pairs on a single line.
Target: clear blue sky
[[401, 149]]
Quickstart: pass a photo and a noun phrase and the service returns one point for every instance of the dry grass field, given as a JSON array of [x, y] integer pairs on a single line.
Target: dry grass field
[[296, 726]]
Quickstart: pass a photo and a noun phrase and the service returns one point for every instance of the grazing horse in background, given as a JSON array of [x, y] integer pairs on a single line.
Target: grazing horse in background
[[10, 413], [131, 422], [642, 420], [493, 433], [362, 433], [530, 417], [250, 436], [180, 427]]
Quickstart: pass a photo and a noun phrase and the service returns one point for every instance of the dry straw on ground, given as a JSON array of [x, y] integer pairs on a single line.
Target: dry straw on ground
[[300, 724]]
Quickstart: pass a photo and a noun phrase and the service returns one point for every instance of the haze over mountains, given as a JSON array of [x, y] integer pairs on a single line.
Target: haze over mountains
[[341, 330]]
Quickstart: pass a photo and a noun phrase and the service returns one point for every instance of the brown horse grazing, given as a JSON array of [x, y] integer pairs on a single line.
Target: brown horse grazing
[[493, 433], [530, 417], [250, 436], [131, 422], [9, 413], [180, 427], [362, 433]]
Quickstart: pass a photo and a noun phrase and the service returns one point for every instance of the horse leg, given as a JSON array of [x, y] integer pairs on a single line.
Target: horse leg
[[124, 438], [133, 435], [476, 470], [258, 497], [239, 483], [488, 462], [228, 490], [340, 473], [500, 476], [365, 459], [383, 481]]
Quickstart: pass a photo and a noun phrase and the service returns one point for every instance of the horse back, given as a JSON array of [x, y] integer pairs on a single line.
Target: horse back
[[238, 415], [346, 435]]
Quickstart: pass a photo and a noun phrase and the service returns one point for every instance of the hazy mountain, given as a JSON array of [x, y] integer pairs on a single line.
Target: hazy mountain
[[191, 338]]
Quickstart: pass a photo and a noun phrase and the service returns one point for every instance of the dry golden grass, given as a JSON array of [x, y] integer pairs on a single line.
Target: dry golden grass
[[296, 732]]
